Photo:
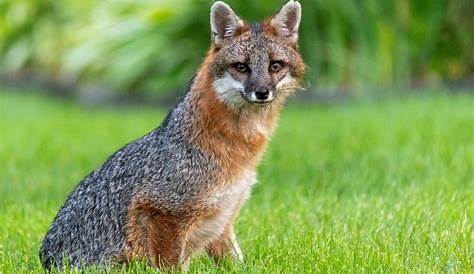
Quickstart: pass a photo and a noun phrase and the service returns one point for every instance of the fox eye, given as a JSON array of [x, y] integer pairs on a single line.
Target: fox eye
[[241, 67], [276, 66]]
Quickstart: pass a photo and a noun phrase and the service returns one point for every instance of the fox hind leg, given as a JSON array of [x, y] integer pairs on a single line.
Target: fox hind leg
[[165, 242], [155, 235]]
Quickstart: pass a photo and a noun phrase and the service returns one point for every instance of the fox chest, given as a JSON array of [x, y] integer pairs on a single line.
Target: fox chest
[[222, 207]]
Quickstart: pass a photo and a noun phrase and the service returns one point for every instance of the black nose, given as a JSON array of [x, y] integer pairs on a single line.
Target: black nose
[[262, 94]]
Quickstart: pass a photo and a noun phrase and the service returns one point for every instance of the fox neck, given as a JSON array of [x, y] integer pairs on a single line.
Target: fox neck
[[236, 137]]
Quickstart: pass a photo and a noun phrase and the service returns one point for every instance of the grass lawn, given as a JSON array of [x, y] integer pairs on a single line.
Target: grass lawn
[[363, 187]]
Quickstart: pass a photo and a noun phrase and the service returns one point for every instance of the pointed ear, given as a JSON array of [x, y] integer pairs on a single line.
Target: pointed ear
[[224, 22], [287, 20]]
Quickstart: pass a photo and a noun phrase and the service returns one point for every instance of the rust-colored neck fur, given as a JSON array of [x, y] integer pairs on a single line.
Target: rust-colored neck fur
[[235, 137]]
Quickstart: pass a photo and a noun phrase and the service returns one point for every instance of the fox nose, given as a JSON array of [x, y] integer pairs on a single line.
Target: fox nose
[[262, 93]]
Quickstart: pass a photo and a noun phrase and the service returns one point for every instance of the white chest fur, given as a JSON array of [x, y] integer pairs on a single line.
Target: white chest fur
[[232, 193], [225, 203]]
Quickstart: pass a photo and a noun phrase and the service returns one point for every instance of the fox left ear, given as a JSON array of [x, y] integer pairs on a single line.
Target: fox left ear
[[287, 20], [224, 22]]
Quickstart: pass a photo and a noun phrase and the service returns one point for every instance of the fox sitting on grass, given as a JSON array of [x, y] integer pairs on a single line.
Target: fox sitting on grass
[[178, 189]]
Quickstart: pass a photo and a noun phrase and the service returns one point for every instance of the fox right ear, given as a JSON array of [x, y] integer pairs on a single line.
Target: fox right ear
[[224, 22], [287, 21]]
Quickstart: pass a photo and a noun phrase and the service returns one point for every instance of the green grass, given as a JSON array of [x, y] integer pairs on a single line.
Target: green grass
[[363, 187]]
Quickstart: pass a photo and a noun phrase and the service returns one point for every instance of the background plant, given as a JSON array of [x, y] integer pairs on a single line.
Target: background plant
[[153, 47]]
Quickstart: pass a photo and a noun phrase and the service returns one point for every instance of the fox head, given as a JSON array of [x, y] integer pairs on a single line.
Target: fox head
[[255, 63]]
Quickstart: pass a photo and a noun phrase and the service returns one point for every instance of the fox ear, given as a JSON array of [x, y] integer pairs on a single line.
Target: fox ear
[[287, 20], [224, 22]]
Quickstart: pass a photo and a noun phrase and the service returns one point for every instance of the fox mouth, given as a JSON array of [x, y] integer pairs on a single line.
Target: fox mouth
[[261, 103]]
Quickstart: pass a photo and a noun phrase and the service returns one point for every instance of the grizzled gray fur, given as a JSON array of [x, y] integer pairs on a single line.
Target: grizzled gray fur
[[89, 228]]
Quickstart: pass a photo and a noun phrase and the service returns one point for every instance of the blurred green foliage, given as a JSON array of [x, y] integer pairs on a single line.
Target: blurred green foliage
[[154, 46]]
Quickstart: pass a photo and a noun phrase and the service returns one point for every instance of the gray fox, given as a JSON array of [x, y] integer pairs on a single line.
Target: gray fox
[[178, 189]]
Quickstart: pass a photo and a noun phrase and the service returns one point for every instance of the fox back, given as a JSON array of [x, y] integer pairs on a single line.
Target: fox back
[[178, 189]]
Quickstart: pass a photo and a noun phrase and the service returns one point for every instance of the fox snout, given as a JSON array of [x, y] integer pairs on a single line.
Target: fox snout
[[237, 93], [259, 90], [261, 95]]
